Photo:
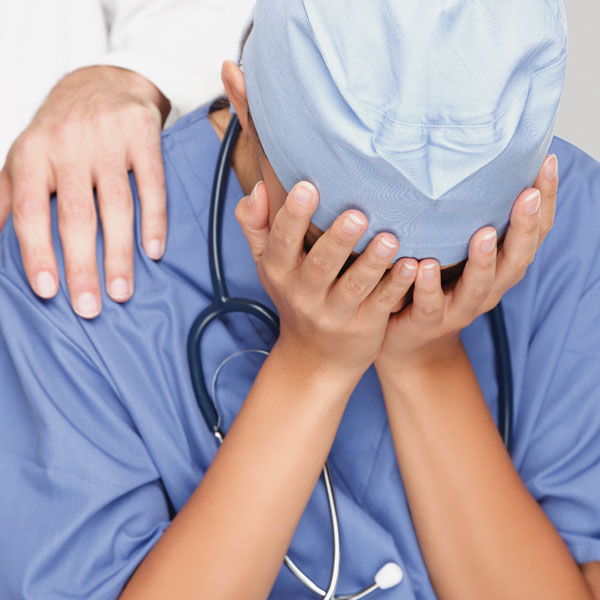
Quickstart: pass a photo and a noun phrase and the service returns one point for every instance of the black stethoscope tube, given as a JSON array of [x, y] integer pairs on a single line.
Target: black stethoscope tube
[[222, 303]]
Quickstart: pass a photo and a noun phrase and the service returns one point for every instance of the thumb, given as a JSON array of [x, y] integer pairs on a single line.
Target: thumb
[[5, 198], [252, 213]]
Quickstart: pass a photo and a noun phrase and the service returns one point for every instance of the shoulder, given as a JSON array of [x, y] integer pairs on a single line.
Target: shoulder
[[579, 182], [192, 132], [574, 239]]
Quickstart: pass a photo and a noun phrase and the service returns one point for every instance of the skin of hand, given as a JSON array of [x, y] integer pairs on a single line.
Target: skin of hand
[[428, 329], [96, 124]]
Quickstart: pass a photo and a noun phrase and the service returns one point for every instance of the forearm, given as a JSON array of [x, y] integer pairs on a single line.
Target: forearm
[[230, 538], [481, 532]]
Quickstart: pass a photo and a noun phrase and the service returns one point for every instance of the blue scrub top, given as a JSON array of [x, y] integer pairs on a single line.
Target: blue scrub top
[[98, 418]]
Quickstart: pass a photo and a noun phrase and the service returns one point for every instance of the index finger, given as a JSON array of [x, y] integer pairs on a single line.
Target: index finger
[[286, 240], [149, 172]]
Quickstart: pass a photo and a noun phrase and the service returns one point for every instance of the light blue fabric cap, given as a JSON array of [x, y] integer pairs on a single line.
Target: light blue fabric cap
[[431, 117]]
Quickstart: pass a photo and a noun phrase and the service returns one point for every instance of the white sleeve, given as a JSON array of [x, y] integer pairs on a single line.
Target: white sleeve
[[179, 45]]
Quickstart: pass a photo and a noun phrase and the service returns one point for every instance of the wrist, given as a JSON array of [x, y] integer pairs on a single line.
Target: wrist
[[306, 369], [421, 368], [120, 80], [144, 89]]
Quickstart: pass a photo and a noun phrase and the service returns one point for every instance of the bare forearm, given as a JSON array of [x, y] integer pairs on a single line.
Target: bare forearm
[[481, 532], [230, 539]]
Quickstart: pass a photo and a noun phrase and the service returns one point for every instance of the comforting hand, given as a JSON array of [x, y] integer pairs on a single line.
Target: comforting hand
[[327, 322], [96, 125], [429, 328]]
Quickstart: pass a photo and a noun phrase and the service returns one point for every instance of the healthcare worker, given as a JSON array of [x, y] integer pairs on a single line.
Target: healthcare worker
[[101, 434]]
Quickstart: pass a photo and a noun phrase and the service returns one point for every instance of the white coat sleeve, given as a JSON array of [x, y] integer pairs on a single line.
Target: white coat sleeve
[[179, 45]]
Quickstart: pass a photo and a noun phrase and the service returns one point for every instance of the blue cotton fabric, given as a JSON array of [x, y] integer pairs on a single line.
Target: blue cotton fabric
[[99, 423], [430, 117]]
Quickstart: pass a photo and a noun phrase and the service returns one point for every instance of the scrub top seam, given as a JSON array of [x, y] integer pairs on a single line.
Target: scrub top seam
[[374, 463]]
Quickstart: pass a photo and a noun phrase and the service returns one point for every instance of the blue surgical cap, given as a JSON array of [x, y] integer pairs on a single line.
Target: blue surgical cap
[[430, 117]]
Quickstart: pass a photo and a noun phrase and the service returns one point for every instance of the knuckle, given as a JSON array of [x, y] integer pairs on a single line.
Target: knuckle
[[141, 114], [387, 298], [340, 239], [429, 293], [25, 208], [317, 264], [355, 288], [478, 291], [28, 144], [531, 228], [112, 160], [137, 117], [270, 273], [324, 323], [115, 196], [299, 307], [282, 237], [291, 213], [67, 131], [75, 211], [487, 262], [430, 311], [373, 263], [103, 120], [519, 265]]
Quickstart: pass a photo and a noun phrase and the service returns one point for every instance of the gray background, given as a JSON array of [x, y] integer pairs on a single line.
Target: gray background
[[579, 115]]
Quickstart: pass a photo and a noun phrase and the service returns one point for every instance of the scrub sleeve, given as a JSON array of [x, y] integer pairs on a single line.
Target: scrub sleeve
[[81, 502]]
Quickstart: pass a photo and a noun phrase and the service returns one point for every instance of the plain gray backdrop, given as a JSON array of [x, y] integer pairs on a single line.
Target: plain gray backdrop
[[579, 114]]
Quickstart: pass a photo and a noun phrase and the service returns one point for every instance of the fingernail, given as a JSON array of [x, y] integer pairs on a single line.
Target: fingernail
[[303, 194], [408, 270], [254, 195], [384, 247], [353, 224], [155, 249], [45, 284], [488, 242], [551, 167], [119, 288], [532, 204], [429, 271], [87, 306]]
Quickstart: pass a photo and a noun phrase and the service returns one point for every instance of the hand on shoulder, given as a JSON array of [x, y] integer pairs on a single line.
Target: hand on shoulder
[[96, 124]]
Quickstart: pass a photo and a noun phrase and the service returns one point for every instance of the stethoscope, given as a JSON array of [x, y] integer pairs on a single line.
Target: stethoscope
[[390, 574]]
